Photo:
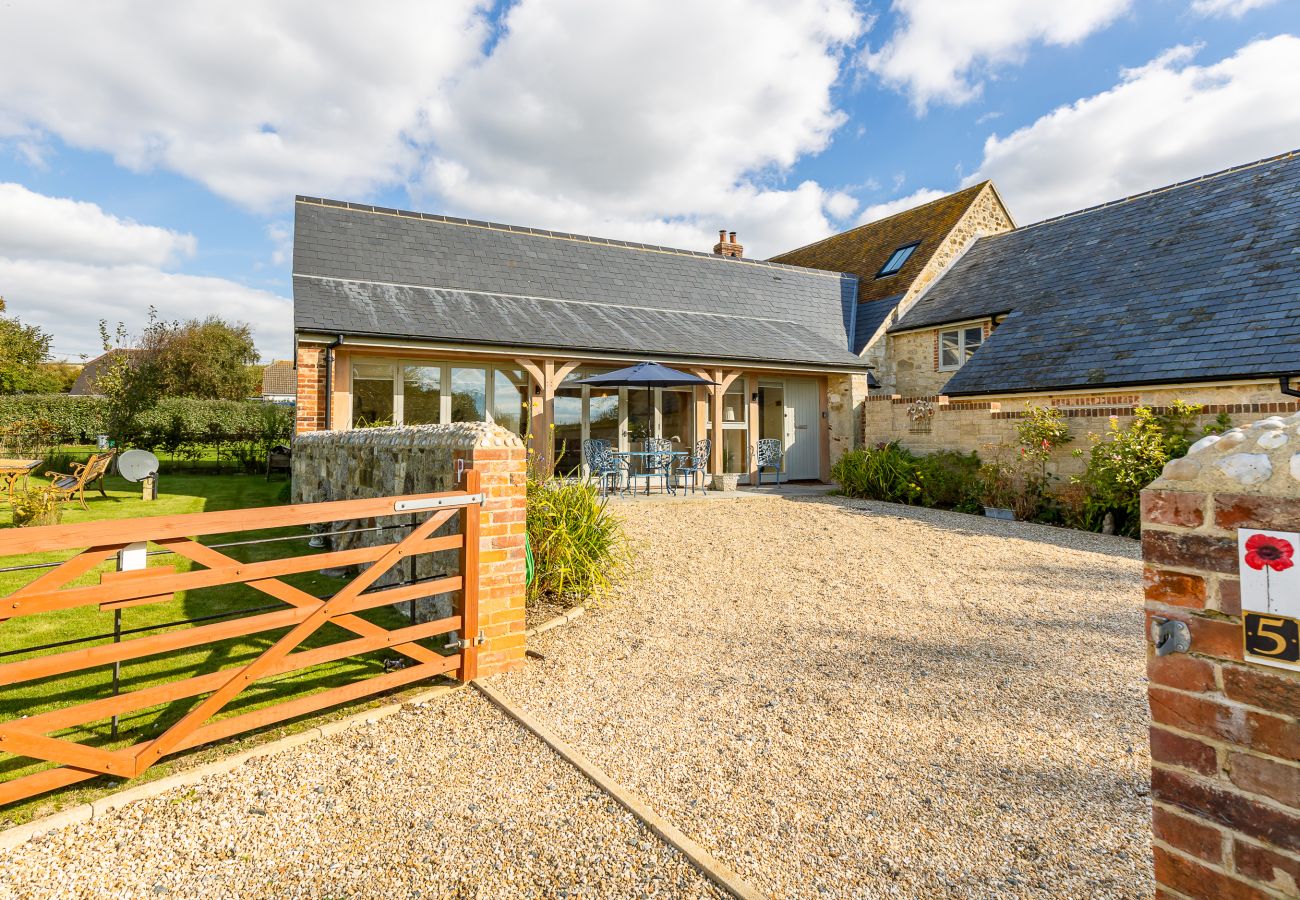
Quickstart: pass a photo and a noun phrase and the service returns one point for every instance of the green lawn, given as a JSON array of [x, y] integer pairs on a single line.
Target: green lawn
[[178, 494]]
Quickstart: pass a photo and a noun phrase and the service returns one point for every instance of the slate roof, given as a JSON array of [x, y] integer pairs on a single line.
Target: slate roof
[[90, 372], [863, 251], [1197, 281], [364, 270]]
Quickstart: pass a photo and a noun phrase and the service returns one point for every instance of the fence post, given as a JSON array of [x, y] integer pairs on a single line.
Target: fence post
[[469, 565]]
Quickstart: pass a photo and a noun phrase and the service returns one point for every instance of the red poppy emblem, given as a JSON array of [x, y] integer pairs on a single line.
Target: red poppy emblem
[[1275, 553]]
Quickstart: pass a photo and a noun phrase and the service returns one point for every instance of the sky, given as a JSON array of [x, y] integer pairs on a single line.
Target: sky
[[150, 151]]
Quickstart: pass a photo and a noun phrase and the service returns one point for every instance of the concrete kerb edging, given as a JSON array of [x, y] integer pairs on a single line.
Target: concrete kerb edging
[[700, 858], [85, 812], [563, 618]]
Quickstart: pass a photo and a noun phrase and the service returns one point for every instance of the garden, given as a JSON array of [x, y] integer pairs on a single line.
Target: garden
[[1017, 481]]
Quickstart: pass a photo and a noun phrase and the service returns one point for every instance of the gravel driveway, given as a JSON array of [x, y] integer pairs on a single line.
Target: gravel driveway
[[453, 800], [844, 699]]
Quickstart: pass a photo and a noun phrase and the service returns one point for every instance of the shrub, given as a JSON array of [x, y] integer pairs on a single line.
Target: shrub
[[37, 506], [578, 545], [1012, 481], [950, 480], [885, 472]]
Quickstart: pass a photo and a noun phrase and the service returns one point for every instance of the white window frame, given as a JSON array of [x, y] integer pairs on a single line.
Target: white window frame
[[962, 354], [396, 369]]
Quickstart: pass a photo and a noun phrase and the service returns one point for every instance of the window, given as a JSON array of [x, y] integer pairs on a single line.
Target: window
[[897, 259], [958, 345], [735, 429], [426, 393]]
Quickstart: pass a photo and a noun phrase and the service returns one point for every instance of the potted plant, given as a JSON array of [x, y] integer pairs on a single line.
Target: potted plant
[[37, 506], [998, 490]]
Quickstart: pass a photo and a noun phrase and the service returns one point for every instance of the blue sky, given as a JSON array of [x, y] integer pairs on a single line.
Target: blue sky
[[149, 154]]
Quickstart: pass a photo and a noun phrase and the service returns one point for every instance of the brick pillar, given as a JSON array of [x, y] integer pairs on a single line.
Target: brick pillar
[[310, 409], [501, 553], [1225, 740]]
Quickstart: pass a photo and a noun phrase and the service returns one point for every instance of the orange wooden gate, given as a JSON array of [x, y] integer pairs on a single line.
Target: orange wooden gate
[[304, 614]]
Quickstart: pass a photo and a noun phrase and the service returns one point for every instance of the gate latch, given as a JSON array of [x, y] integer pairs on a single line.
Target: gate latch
[[1170, 636], [466, 643]]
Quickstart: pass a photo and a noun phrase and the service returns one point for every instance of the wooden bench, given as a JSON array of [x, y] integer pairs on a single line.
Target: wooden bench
[[83, 474]]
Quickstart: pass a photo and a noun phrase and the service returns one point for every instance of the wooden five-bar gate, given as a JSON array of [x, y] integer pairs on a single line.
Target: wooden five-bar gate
[[303, 614]]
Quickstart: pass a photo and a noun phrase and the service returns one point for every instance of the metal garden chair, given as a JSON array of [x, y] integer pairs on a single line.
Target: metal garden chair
[[656, 463], [696, 464], [603, 465], [769, 457]]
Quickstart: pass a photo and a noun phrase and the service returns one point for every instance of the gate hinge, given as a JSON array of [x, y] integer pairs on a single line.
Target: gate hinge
[[466, 643], [1170, 636]]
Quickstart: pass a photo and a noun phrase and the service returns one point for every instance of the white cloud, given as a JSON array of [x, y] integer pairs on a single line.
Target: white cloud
[[841, 205], [256, 101], [1164, 122], [655, 121], [945, 48], [36, 226], [64, 265], [1234, 9], [878, 211], [280, 235]]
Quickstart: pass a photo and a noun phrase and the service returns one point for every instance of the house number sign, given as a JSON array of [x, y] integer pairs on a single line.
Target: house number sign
[[1269, 563]]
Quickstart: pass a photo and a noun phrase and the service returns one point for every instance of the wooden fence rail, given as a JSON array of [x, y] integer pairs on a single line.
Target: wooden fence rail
[[303, 616]]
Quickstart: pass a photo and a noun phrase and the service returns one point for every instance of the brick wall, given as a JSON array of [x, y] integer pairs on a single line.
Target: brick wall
[[377, 462], [310, 411], [1225, 740]]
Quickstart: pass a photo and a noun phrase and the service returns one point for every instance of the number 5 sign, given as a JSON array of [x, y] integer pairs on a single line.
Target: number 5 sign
[[1269, 563]]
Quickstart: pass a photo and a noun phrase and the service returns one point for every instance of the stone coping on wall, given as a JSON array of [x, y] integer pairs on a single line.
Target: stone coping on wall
[[456, 436], [1263, 457]]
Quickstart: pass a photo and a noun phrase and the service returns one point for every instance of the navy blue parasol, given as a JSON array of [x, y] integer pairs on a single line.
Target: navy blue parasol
[[646, 374]]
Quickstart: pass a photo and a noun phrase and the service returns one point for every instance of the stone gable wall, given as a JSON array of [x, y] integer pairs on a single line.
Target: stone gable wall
[[1225, 732]]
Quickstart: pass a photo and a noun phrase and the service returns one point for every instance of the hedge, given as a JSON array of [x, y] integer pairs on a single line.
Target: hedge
[[79, 418]]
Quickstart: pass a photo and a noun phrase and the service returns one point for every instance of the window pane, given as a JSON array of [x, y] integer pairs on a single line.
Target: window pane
[[602, 411], [974, 336], [735, 404], [421, 395], [372, 396], [640, 416], [568, 427], [510, 400], [734, 457], [678, 417], [948, 349], [468, 395]]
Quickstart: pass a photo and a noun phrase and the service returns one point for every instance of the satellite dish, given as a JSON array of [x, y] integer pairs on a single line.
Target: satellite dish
[[137, 465]]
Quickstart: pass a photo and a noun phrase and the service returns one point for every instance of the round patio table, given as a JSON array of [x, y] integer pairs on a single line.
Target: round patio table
[[640, 456]]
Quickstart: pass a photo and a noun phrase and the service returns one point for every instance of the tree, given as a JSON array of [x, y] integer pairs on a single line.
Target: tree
[[210, 359], [23, 348]]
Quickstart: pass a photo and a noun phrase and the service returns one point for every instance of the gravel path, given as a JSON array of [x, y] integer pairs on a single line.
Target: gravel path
[[452, 800], [844, 699]]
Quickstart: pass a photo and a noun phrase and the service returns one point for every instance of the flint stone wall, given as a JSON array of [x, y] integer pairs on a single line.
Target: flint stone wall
[[365, 463]]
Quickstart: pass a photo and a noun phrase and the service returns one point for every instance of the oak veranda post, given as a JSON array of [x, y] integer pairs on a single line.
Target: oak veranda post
[[303, 614]]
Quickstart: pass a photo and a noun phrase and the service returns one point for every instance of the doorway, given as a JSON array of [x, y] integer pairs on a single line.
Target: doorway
[[788, 411]]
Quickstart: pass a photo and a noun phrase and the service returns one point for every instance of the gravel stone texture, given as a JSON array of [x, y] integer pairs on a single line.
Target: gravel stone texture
[[451, 800], [849, 699]]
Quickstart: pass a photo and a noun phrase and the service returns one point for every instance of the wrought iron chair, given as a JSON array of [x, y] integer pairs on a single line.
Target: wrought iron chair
[[657, 463], [603, 465], [696, 464], [769, 456]]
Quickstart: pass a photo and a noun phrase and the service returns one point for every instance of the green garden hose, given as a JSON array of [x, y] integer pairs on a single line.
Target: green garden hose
[[529, 565]]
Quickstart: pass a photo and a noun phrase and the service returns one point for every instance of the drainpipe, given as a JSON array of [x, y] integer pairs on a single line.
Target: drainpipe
[[1284, 384], [329, 380]]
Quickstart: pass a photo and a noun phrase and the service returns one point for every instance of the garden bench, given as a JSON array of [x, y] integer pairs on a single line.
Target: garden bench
[[83, 474]]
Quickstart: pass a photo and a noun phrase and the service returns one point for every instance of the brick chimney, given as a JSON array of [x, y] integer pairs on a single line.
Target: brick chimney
[[727, 246]]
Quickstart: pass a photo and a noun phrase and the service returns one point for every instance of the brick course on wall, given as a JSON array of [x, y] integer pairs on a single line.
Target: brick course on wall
[[1225, 732], [378, 462], [310, 409], [986, 424]]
